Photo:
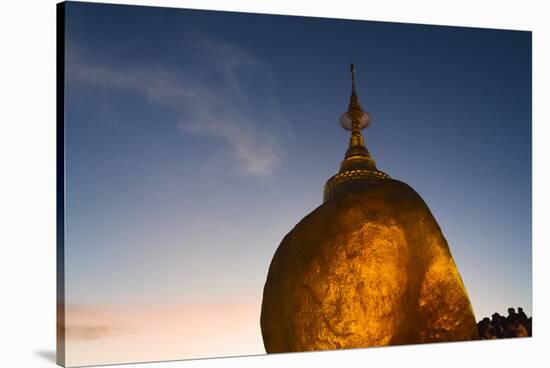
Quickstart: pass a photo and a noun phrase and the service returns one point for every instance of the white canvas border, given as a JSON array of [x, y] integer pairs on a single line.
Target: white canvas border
[[27, 191]]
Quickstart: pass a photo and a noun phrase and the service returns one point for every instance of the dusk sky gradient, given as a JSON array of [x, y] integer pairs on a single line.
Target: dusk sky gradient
[[196, 140]]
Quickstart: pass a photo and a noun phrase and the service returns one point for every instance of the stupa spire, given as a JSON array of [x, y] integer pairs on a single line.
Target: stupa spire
[[355, 119], [358, 167]]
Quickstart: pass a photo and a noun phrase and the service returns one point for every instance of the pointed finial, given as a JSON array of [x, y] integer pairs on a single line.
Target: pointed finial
[[353, 102], [352, 68]]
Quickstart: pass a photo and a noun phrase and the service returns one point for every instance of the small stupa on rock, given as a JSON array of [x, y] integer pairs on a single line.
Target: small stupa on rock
[[368, 267]]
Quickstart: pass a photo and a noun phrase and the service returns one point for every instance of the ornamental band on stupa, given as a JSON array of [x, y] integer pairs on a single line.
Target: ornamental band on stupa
[[368, 267]]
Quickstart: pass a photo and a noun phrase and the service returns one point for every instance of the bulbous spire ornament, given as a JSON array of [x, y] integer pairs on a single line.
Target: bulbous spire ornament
[[355, 118]]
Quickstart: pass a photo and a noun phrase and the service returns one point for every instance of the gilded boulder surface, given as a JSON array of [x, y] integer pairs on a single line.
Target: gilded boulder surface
[[369, 267]]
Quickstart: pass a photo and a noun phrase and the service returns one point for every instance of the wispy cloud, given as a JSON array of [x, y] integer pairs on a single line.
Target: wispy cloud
[[214, 103], [88, 332], [87, 323]]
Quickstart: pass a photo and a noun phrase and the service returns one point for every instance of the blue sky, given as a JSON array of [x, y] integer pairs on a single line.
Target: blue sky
[[196, 140]]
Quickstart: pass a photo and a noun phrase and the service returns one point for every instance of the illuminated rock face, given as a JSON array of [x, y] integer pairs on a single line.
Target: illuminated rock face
[[369, 267]]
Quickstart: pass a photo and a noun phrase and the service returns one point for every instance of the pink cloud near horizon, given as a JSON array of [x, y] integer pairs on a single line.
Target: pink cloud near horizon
[[121, 334]]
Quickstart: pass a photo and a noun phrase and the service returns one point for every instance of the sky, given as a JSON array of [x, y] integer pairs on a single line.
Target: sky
[[195, 140]]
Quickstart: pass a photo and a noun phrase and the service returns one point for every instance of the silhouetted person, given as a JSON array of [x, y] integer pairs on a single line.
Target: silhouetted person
[[498, 327]]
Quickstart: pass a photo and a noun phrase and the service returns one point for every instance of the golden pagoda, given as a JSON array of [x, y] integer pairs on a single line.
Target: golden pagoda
[[358, 166], [368, 267]]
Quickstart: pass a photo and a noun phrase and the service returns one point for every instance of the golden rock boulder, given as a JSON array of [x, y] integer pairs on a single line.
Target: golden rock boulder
[[369, 267]]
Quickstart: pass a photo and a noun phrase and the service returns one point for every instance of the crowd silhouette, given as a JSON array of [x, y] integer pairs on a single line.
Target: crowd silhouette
[[500, 327]]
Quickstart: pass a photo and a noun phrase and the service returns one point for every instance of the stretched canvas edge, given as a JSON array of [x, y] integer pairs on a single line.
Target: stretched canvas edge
[[60, 183]]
